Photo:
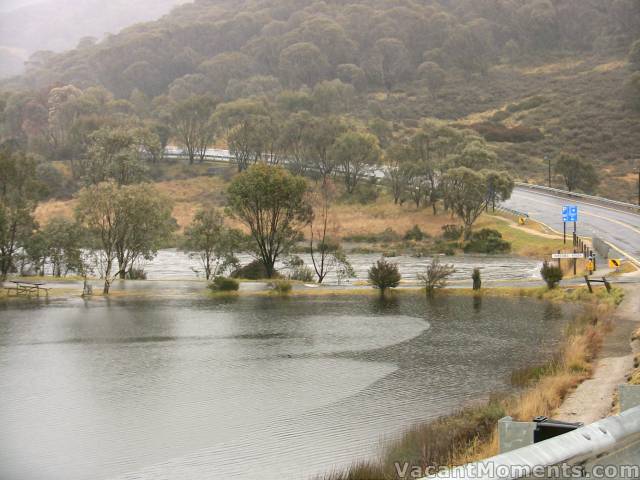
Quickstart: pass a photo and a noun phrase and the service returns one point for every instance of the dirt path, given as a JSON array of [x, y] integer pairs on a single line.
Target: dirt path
[[592, 400]]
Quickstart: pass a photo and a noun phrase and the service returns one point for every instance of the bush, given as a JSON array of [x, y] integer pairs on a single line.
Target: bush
[[436, 275], [486, 241], [283, 287], [452, 232], [224, 284], [365, 193], [136, 274], [415, 234], [387, 236], [253, 271], [496, 132], [298, 270], [384, 275], [552, 274], [477, 280]]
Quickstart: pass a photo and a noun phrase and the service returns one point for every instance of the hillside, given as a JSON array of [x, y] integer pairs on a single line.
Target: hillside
[[534, 77], [57, 25]]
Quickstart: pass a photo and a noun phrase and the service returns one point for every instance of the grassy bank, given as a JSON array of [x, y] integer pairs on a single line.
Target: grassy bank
[[471, 434]]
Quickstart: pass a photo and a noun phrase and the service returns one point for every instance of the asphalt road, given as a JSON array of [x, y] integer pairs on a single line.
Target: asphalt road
[[621, 229]]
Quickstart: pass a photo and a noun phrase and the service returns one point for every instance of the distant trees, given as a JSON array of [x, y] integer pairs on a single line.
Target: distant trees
[[356, 153], [577, 174], [303, 64], [634, 55], [191, 120], [272, 204], [113, 153]]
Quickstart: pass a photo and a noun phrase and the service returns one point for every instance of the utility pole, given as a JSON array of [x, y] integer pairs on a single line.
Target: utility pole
[[548, 160]]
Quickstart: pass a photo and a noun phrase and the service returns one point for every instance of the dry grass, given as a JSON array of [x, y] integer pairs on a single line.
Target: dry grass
[[552, 68], [375, 218], [188, 195]]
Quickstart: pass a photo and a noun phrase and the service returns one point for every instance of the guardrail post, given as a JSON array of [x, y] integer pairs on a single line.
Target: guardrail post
[[513, 435]]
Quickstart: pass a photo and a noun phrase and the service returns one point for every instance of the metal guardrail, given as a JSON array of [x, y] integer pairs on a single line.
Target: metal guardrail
[[614, 441], [606, 202]]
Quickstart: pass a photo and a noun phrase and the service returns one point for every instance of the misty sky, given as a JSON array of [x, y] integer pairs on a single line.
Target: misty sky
[[27, 26]]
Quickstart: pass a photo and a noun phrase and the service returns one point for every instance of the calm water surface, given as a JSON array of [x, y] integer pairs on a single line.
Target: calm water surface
[[245, 388]]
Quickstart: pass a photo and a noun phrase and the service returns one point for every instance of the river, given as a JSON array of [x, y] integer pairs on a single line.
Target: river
[[246, 387]]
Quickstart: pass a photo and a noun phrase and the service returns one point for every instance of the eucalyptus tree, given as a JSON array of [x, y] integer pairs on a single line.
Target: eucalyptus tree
[[191, 120], [19, 193], [466, 195], [356, 154], [124, 224], [213, 243], [271, 202]]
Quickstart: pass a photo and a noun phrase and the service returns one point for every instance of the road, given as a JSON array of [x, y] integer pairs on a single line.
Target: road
[[621, 229]]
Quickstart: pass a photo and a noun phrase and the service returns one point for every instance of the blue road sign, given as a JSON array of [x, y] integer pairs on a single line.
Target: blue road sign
[[570, 213]]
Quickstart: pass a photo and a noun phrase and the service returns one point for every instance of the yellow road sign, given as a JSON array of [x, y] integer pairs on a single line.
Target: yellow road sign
[[522, 220], [615, 263]]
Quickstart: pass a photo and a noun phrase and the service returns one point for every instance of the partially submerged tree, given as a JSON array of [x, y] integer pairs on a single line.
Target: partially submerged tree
[[384, 275], [213, 243], [436, 276], [125, 223], [324, 247], [272, 204], [19, 192]]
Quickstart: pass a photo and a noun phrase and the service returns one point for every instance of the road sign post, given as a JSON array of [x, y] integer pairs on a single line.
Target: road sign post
[[570, 214]]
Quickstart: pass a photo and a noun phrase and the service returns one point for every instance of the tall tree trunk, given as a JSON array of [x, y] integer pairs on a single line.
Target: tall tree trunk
[[107, 278]]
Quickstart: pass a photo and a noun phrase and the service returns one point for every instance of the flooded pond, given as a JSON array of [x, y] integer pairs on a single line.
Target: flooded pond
[[171, 264], [246, 387]]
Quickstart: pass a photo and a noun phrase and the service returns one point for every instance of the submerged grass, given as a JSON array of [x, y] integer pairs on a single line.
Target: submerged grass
[[471, 434]]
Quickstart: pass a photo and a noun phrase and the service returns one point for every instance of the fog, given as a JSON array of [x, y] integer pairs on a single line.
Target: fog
[[27, 26]]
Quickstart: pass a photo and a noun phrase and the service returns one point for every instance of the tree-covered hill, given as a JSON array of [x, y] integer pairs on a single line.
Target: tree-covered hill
[[533, 77]]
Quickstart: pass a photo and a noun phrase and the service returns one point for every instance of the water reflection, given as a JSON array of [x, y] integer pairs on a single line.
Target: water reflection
[[241, 387]]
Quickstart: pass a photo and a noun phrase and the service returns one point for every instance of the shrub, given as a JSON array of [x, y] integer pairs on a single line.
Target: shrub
[[384, 275], [136, 274], [283, 287], [415, 233], [477, 280], [452, 232], [496, 132], [386, 236], [552, 274], [253, 271], [436, 276], [298, 270], [486, 241], [224, 284], [365, 193]]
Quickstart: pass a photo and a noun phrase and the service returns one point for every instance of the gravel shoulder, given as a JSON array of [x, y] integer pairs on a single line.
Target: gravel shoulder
[[593, 399]]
